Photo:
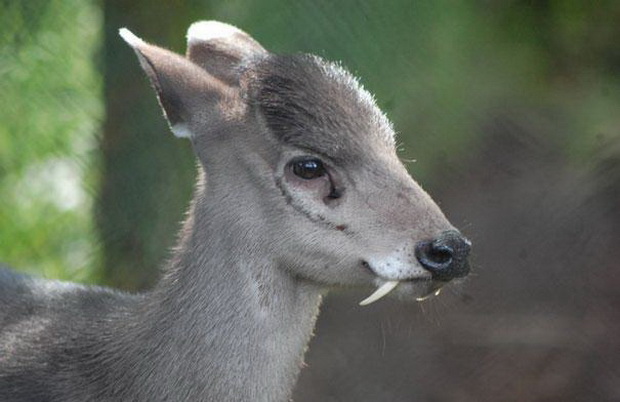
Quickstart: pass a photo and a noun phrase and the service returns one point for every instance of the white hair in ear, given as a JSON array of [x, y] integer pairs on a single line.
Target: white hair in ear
[[129, 37], [208, 30]]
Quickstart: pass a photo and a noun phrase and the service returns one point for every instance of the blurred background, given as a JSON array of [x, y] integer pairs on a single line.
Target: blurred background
[[510, 110]]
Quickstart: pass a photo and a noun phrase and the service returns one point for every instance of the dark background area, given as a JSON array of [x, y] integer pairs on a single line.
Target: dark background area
[[510, 109]]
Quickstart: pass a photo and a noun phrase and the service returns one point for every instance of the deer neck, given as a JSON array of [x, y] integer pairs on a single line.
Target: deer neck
[[226, 320]]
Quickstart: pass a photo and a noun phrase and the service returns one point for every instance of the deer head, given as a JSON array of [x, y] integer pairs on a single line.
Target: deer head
[[304, 163]]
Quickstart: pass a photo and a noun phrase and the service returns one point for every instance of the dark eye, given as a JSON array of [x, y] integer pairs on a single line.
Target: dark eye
[[308, 168]]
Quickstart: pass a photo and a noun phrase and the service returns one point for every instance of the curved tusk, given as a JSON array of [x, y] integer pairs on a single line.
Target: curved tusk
[[381, 291], [436, 293]]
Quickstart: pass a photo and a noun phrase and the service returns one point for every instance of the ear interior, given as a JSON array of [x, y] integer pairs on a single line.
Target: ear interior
[[185, 91], [220, 49]]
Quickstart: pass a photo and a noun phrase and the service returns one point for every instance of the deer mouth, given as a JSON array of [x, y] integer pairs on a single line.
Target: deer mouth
[[423, 289]]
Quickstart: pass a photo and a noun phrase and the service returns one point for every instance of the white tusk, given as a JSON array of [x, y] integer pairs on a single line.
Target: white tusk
[[436, 293], [381, 291]]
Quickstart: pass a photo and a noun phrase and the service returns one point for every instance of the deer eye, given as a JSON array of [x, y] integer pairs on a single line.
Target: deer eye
[[308, 168]]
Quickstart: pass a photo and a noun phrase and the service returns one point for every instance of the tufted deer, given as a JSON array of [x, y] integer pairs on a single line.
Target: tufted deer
[[299, 190]]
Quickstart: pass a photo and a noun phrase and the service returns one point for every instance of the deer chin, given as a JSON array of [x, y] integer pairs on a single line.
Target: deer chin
[[419, 290]]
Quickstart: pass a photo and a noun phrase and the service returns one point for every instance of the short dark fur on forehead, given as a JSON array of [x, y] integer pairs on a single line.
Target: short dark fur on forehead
[[317, 105]]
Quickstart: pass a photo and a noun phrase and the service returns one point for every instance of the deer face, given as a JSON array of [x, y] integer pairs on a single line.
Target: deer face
[[305, 141], [353, 213]]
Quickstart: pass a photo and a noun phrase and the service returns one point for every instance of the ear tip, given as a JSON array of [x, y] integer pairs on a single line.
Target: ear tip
[[129, 37], [203, 31]]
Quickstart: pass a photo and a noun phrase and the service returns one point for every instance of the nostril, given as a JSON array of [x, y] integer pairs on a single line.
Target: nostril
[[440, 255], [434, 257], [446, 256]]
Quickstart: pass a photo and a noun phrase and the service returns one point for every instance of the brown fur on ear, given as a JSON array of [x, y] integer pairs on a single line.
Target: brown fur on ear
[[220, 49], [184, 90]]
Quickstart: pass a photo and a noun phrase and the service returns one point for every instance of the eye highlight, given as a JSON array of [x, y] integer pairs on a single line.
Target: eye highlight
[[308, 168]]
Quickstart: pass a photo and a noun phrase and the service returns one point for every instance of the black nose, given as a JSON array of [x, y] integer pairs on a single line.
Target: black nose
[[446, 256]]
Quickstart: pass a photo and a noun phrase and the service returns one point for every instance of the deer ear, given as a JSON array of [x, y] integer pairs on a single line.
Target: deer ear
[[220, 49], [185, 91]]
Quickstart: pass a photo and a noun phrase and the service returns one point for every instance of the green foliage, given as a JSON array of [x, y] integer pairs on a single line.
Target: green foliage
[[51, 112], [442, 69]]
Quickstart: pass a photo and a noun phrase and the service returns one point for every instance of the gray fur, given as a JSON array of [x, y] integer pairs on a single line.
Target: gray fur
[[235, 309], [313, 104]]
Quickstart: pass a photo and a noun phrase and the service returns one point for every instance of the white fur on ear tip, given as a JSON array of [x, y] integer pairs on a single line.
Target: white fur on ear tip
[[181, 130], [129, 37], [208, 30]]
